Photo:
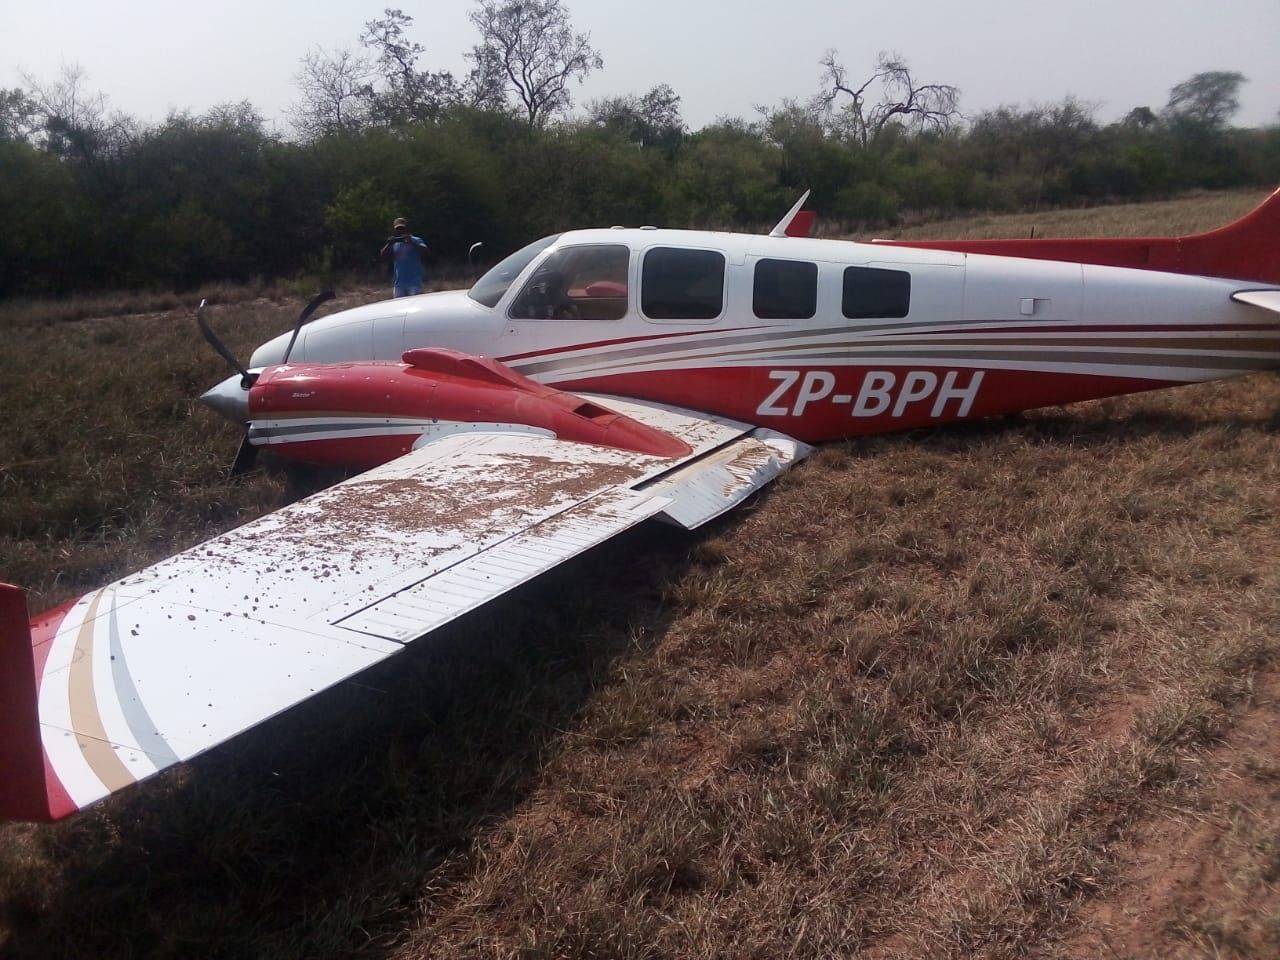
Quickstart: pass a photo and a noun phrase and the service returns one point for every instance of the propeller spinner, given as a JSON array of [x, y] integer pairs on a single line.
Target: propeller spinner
[[231, 397]]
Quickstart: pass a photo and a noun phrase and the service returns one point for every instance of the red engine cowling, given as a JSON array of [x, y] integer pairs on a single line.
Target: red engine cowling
[[363, 414]]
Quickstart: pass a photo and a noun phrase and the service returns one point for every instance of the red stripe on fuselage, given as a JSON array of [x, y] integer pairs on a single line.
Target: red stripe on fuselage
[[740, 393]]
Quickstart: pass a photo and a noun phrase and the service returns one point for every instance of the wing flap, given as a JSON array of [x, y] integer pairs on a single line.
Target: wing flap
[[432, 603], [716, 483]]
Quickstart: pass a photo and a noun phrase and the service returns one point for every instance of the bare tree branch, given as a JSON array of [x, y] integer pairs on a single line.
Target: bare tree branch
[[76, 123], [529, 48], [847, 109], [335, 91], [650, 120], [407, 94]]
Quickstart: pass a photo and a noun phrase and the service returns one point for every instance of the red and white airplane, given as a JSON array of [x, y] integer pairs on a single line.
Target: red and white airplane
[[586, 383]]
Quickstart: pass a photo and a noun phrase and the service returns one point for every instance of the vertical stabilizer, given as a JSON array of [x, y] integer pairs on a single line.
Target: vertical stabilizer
[[1245, 249]]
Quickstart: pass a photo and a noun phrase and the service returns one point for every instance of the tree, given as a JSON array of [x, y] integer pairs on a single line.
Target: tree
[[19, 115], [335, 93], [528, 47], [200, 184], [41, 205], [408, 95], [76, 127], [810, 159], [649, 120], [928, 106], [1207, 99], [75, 122], [1141, 118]]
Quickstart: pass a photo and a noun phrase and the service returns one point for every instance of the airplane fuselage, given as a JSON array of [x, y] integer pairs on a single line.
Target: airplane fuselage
[[820, 339]]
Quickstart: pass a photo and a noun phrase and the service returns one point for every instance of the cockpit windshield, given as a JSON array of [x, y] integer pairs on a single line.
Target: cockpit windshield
[[490, 288]]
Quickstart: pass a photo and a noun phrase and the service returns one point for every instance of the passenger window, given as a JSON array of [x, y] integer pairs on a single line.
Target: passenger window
[[682, 284], [785, 290], [872, 292], [577, 283]]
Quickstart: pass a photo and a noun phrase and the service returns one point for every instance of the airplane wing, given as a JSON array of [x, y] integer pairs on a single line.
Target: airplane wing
[[160, 666]]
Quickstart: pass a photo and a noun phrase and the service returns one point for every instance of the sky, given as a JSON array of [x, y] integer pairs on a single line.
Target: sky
[[723, 58]]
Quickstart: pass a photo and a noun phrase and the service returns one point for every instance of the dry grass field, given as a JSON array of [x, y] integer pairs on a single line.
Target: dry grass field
[[1002, 690]]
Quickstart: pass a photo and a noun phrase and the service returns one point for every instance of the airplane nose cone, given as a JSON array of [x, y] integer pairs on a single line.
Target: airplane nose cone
[[229, 398]]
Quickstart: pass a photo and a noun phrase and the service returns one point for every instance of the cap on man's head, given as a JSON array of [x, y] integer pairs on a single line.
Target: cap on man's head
[[399, 222]]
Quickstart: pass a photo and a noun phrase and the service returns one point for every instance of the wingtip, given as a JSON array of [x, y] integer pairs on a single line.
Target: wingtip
[[29, 789]]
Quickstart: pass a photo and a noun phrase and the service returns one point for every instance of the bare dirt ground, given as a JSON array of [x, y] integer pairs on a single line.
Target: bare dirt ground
[[1200, 879], [1001, 690]]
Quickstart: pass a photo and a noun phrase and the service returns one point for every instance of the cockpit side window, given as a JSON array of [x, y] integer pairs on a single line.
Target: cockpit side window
[[587, 282]]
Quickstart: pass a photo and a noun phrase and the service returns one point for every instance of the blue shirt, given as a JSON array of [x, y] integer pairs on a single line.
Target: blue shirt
[[406, 261]]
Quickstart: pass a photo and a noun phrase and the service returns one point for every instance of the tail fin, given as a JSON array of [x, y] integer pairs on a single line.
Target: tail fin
[[28, 788], [801, 224], [1246, 249]]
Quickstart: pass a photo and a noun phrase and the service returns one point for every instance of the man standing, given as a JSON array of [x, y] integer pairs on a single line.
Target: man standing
[[406, 252]]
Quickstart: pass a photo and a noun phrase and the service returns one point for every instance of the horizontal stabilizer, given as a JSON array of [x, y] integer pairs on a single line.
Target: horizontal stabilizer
[[1266, 299]]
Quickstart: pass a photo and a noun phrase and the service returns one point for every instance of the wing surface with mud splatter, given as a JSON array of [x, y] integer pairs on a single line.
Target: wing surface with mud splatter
[[168, 662]]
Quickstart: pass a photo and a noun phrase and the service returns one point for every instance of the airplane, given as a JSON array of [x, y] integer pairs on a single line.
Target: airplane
[[590, 381]]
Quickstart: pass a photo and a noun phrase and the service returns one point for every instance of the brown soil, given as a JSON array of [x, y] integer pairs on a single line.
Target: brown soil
[[1201, 880]]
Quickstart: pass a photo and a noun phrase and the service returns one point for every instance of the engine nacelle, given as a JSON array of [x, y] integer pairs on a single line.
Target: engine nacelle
[[363, 414]]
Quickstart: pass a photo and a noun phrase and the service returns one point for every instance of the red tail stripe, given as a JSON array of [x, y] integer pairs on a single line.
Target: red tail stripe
[[1246, 249]]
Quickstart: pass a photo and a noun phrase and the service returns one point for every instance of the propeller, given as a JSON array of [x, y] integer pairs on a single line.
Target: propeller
[[323, 297], [234, 404], [247, 379], [471, 258], [246, 457]]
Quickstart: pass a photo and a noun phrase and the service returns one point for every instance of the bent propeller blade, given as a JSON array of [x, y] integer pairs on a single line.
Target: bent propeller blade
[[320, 298]]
